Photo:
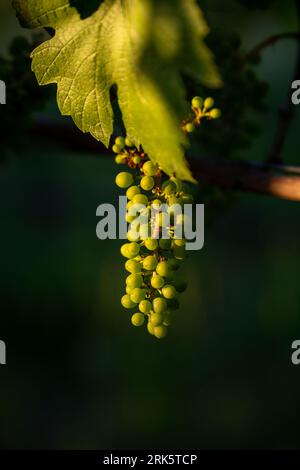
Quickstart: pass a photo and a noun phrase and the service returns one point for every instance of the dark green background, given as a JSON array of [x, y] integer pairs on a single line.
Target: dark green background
[[78, 375]]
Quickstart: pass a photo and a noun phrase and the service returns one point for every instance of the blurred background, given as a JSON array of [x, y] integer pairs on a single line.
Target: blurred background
[[78, 375]]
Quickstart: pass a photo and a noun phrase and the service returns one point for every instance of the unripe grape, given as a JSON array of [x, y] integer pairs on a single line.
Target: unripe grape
[[173, 264], [151, 244], [144, 231], [179, 241], [133, 236], [124, 250], [132, 191], [167, 319], [169, 292], [157, 282], [162, 268], [150, 169], [116, 148], [208, 103], [189, 127], [124, 180], [187, 199], [119, 159], [127, 301], [180, 285], [133, 250], [140, 199], [156, 319], [197, 102], [136, 160], [179, 252], [165, 243], [134, 280], [147, 183], [133, 266], [156, 202], [130, 218], [137, 295], [169, 187], [149, 263], [128, 290], [163, 219], [159, 305], [120, 141], [160, 331], [150, 328], [128, 142], [138, 319], [215, 113], [145, 306]]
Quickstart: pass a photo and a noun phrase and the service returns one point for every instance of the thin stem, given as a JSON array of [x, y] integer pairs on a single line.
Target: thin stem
[[253, 53]]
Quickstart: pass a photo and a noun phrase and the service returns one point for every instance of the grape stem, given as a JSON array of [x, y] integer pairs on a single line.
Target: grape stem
[[270, 41]]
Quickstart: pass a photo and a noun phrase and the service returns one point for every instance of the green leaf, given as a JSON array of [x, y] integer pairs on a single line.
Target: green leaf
[[142, 47]]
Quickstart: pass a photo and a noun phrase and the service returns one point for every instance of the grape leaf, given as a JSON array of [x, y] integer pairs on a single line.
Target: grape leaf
[[142, 47]]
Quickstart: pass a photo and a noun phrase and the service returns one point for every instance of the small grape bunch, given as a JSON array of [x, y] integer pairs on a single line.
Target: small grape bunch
[[202, 109], [154, 251]]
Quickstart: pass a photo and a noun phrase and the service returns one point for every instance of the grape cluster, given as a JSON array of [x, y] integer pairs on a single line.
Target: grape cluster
[[154, 251]]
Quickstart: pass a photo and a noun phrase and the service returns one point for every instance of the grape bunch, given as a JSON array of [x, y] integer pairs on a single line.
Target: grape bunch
[[154, 250]]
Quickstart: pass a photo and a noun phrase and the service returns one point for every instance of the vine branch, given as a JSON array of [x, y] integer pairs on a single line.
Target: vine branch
[[279, 181], [270, 41]]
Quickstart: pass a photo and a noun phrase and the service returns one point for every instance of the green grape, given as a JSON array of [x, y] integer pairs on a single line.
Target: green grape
[[133, 236], [145, 306], [147, 183], [156, 319], [165, 243], [167, 319], [151, 244], [127, 301], [156, 202], [133, 266], [128, 290], [132, 191], [163, 219], [187, 199], [137, 295], [173, 264], [117, 148], [138, 319], [119, 159], [180, 285], [157, 281], [149, 263], [197, 102], [134, 280], [144, 231], [179, 252], [124, 180], [159, 305], [215, 113], [120, 141], [150, 169], [208, 103], [179, 241], [169, 292], [128, 142], [162, 268], [140, 199], [150, 328], [160, 331], [190, 127], [130, 218], [130, 250], [169, 187], [136, 160]]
